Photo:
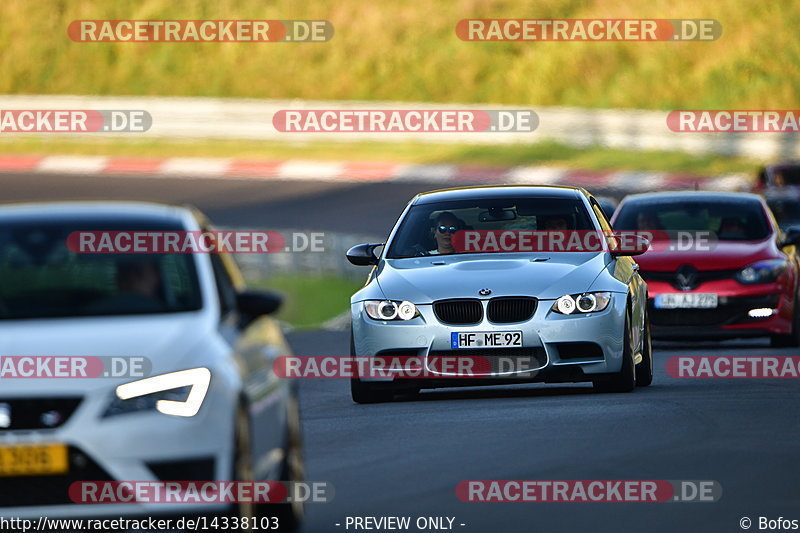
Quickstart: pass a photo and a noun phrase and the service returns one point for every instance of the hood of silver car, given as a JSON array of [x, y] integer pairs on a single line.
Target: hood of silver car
[[422, 280]]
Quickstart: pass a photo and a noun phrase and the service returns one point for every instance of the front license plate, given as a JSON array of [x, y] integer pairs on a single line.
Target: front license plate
[[695, 300], [33, 460], [486, 339]]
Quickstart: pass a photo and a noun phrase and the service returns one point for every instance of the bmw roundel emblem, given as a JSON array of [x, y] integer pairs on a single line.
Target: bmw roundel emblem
[[485, 292]]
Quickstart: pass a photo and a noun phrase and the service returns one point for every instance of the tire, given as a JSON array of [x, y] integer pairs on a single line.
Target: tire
[[290, 515], [625, 379], [792, 339], [242, 466], [644, 370]]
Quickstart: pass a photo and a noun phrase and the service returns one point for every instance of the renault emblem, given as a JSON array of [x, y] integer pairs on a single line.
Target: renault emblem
[[686, 276]]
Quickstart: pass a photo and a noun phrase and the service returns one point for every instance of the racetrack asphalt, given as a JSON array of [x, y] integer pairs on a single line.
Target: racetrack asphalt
[[405, 458], [370, 208]]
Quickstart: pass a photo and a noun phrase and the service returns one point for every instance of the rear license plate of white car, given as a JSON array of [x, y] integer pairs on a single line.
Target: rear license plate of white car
[[695, 300], [486, 339]]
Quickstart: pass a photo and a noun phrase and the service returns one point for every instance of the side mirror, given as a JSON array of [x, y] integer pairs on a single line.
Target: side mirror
[[363, 254], [792, 237], [252, 303], [627, 244]]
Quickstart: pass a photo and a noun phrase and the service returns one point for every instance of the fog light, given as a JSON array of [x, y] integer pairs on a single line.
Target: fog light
[[761, 312]]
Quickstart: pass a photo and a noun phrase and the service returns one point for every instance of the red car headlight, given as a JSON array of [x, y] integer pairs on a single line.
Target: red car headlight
[[765, 271]]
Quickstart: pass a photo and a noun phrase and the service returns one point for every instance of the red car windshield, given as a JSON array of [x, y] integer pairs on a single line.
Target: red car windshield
[[728, 219]]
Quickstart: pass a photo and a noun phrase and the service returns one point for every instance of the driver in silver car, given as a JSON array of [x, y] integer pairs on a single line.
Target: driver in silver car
[[443, 228]]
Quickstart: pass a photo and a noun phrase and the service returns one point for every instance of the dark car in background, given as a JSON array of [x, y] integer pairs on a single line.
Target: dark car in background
[[608, 205], [719, 265], [785, 206], [779, 176]]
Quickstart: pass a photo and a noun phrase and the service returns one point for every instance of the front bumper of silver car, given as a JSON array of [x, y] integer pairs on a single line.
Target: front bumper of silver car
[[577, 346]]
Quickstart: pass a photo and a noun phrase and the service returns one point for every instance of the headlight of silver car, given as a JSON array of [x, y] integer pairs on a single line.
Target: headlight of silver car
[[587, 302], [390, 310], [177, 393]]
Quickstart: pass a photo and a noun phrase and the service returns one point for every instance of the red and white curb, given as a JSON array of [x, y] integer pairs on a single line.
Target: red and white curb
[[364, 171]]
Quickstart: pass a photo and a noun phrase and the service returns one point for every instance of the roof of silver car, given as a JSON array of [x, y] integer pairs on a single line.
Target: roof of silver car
[[499, 191]]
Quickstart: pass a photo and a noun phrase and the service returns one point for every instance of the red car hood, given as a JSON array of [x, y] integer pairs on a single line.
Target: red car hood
[[726, 255]]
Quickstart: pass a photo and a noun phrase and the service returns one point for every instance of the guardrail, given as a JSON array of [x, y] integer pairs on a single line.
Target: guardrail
[[218, 118], [329, 261]]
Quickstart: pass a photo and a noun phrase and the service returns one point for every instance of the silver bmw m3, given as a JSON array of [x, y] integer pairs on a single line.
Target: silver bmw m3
[[480, 286]]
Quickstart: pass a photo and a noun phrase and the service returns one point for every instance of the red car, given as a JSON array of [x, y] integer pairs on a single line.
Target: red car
[[718, 266]]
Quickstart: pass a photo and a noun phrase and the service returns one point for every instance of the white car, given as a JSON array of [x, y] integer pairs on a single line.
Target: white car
[[198, 321]]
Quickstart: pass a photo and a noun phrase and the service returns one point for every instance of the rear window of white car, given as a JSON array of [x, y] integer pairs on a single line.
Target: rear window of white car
[[42, 278]]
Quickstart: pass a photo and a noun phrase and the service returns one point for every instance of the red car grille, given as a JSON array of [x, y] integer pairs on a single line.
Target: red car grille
[[699, 277], [731, 310]]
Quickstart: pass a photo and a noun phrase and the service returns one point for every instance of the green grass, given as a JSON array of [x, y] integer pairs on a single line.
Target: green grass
[[408, 51], [310, 300], [544, 153]]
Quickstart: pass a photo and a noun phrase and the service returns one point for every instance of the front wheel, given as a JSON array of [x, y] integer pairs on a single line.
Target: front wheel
[[242, 463], [290, 515]]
